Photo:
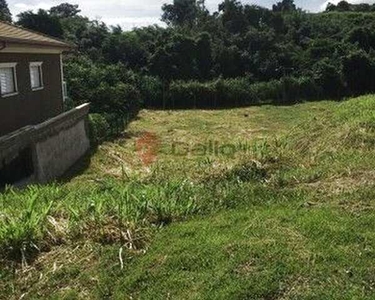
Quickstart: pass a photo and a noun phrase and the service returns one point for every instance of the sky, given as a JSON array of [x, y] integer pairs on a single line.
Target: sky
[[138, 13]]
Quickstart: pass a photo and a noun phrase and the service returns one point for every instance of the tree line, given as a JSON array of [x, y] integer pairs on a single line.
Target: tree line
[[240, 54]]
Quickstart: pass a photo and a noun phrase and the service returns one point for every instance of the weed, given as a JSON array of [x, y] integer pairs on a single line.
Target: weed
[[21, 232]]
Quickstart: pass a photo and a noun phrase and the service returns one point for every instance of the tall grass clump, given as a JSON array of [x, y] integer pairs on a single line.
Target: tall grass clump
[[23, 224], [109, 211], [133, 202]]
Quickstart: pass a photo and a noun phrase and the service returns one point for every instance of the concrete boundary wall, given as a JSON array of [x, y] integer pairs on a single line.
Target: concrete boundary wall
[[55, 145]]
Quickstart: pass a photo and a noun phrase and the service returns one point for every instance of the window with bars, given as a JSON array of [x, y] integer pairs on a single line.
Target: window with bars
[[36, 76], [8, 79]]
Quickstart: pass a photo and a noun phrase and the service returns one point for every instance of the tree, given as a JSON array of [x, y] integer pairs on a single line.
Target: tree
[[116, 30], [363, 36], [204, 55], [328, 78], [233, 17], [93, 37], [330, 7], [176, 59], [5, 14], [343, 6], [42, 22], [182, 50], [160, 65], [284, 6], [358, 70], [181, 12], [203, 14], [126, 48], [257, 16], [229, 62], [362, 7], [65, 10]]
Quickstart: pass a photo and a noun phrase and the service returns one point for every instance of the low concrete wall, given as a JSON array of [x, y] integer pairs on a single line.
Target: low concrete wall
[[58, 153], [55, 144]]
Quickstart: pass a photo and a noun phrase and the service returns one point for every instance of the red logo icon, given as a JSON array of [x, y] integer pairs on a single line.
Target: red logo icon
[[147, 147]]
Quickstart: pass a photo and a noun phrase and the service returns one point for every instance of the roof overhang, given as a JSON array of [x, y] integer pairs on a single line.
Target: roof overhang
[[15, 46], [16, 39]]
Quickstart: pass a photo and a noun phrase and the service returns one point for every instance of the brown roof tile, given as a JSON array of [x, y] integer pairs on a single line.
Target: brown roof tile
[[13, 33]]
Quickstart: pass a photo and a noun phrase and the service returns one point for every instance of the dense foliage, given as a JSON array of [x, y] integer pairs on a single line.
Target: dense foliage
[[241, 54], [344, 6], [5, 14]]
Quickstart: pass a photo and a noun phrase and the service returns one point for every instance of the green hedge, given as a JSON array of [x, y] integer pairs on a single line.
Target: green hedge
[[239, 92]]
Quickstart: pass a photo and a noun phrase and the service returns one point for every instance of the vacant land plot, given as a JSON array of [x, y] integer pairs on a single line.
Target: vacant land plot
[[254, 203], [188, 141]]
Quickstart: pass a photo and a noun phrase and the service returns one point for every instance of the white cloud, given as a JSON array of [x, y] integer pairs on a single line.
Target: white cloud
[[127, 13], [19, 7], [132, 22]]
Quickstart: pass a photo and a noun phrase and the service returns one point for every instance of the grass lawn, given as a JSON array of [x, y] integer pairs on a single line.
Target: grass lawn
[[282, 209]]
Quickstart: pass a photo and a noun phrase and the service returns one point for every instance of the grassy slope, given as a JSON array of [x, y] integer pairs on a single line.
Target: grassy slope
[[299, 223], [190, 128]]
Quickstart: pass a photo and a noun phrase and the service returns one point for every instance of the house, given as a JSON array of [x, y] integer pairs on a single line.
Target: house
[[31, 77], [39, 141]]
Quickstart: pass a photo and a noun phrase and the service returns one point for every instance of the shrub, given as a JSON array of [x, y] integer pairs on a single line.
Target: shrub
[[359, 70], [328, 78], [109, 88], [240, 92], [234, 92], [99, 128], [151, 89], [265, 91], [213, 94], [121, 99], [309, 89], [191, 94], [113, 91]]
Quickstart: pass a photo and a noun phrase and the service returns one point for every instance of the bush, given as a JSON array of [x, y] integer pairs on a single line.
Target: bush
[[359, 70], [213, 94], [309, 89], [151, 89], [117, 105], [328, 78], [234, 92], [99, 128], [265, 91], [191, 94], [239, 92], [109, 88], [121, 99]]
